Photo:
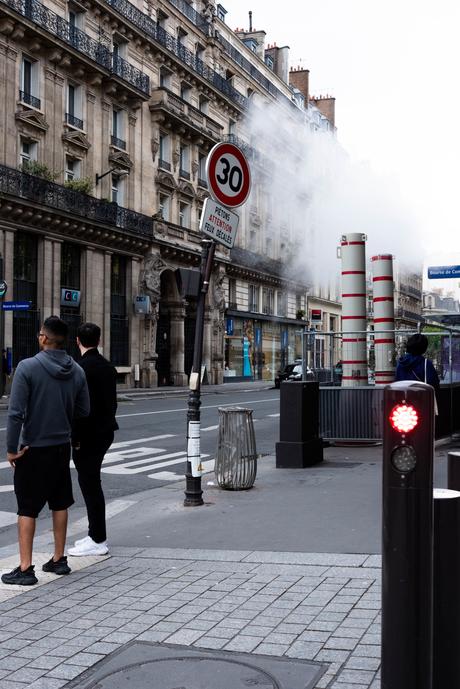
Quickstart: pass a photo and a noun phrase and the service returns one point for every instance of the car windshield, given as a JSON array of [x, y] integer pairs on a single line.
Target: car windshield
[[297, 368]]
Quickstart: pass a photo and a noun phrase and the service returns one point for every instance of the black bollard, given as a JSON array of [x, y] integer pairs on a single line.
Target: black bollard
[[407, 549], [299, 445], [453, 470], [446, 622]]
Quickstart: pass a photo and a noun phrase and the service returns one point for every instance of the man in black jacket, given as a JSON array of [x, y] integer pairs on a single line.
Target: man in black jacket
[[92, 437]]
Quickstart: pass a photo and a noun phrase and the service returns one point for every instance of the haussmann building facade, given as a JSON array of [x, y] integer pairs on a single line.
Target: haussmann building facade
[[110, 109]]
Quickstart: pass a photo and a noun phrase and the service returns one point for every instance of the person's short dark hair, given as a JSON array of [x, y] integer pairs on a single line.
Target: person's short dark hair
[[89, 334], [417, 344], [56, 329]]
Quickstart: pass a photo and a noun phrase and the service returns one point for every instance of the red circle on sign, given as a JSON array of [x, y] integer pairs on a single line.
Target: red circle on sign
[[215, 184]]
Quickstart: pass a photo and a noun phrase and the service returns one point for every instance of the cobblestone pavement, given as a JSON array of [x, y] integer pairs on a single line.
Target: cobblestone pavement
[[312, 606]]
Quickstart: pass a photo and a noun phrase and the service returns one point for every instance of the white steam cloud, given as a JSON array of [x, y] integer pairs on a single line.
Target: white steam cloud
[[309, 181]]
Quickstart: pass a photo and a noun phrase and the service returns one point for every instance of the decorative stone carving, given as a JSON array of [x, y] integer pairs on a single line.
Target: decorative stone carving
[[165, 179], [186, 189], [73, 138], [195, 167], [150, 275], [175, 158], [32, 118], [218, 291], [154, 146], [120, 159]]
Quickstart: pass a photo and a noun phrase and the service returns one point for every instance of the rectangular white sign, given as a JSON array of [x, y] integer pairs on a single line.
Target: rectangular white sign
[[219, 222]]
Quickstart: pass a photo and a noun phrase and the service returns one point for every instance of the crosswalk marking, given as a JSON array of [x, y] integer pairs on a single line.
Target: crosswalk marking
[[132, 453], [209, 428], [273, 416], [128, 468], [171, 476], [127, 443]]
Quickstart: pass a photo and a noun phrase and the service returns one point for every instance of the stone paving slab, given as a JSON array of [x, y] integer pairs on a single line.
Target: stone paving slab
[[323, 608]]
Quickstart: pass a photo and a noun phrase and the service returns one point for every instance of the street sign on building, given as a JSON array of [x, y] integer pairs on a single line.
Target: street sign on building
[[16, 305], [228, 175], [443, 272], [142, 304], [219, 223], [316, 316]]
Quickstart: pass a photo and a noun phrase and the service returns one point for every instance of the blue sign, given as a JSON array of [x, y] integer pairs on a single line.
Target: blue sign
[[70, 297], [443, 272], [229, 326], [284, 339], [16, 305], [258, 337]]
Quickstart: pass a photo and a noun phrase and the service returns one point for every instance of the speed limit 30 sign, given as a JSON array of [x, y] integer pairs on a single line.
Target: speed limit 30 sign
[[228, 175]]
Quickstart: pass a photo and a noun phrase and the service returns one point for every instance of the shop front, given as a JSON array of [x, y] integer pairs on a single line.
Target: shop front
[[256, 348]]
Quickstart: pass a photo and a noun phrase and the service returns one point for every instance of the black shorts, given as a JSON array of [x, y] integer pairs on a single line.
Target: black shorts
[[42, 475]]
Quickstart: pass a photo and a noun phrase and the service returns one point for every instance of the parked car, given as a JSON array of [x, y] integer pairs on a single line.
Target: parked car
[[296, 373], [284, 374]]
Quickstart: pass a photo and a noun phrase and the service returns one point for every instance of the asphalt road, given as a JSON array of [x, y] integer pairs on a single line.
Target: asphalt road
[[149, 448]]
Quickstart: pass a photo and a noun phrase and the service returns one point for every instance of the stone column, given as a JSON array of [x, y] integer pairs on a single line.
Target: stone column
[[9, 94], [49, 277], [7, 249], [148, 332], [105, 320], [177, 315]]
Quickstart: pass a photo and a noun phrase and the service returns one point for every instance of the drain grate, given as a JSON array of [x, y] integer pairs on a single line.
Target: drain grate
[[141, 665]]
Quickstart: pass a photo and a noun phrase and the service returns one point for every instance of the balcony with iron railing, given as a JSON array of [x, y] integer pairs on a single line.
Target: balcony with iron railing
[[164, 165], [411, 291], [236, 55], [118, 143], [51, 195], [73, 121], [96, 51], [184, 114], [29, 99], [184, 174], [149, 28]]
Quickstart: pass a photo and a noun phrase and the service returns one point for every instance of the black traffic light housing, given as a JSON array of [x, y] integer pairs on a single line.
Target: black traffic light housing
[[188, 282], [407, 548]]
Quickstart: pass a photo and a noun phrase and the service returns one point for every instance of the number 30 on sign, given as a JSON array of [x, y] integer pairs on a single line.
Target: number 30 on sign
[[228, 175]]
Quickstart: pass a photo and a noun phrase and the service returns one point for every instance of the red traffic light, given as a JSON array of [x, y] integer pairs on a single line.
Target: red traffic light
[[404, 418]]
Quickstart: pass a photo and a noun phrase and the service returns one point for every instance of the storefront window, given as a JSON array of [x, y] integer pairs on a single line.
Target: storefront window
[[271, 349]]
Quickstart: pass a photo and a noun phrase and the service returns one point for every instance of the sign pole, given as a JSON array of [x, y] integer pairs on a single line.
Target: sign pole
[[193, 491]]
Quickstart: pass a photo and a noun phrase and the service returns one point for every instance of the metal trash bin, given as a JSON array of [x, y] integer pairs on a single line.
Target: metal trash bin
[[236, 460]]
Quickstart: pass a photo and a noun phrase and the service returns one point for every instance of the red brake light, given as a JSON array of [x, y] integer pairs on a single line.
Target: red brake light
[[404, 418]]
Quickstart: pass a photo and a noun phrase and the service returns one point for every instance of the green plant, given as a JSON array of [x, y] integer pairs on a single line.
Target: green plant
[[300, 314], [33, 167], [82, 184]]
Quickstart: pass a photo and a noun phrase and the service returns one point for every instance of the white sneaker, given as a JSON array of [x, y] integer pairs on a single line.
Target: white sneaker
[[82, 540], [89, 547]]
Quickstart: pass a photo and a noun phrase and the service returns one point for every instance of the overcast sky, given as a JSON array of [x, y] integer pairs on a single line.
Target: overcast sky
[[394, 69]]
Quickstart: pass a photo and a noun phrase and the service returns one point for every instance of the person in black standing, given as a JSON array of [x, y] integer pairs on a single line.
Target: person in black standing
[[92, 437]]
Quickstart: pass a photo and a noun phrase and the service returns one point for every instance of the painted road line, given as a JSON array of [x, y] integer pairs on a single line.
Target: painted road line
[[132, 454], [171, 476], [7, 489], [7, 518], [127, 443], [126, 469], [184, 409], [273, 416], [209, 428]]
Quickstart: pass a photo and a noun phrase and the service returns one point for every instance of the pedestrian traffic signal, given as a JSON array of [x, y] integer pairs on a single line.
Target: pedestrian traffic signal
[[404, 418]]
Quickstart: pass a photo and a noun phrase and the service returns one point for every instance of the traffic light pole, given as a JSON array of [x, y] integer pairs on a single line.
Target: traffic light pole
[[407, 548], [193, 491]]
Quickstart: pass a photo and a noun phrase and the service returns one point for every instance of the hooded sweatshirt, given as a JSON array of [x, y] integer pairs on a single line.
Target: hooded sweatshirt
[[48, 391], [412, 367]]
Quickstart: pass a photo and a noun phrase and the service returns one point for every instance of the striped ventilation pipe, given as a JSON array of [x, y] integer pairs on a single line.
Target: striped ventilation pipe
[[354, 317], [384, 318]]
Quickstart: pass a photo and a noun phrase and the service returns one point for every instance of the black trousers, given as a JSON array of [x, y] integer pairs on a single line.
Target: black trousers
[[88, 461]]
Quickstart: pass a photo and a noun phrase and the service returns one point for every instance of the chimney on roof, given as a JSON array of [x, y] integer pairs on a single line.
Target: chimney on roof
[[250, 20]]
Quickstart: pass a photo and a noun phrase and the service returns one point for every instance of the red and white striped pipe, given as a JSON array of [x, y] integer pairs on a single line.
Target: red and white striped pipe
[[384, 318], [354, 317]]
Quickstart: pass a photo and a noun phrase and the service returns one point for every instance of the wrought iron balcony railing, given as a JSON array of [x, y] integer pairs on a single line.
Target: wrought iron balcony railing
[[51, 195], [184, 174], [202, 183], [150, 28], [36, 12], [164, 165], [73, 121], [29, 99], [119, 143], [197, 19], [131, 74]]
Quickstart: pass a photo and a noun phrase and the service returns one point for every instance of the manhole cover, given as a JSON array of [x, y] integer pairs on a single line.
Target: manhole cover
[[156, 666]]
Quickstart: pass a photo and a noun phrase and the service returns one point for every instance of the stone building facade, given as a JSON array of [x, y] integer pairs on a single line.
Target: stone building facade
[[110, 108]]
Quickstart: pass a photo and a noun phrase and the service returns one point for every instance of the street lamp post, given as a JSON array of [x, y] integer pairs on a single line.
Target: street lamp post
[[193, 491]]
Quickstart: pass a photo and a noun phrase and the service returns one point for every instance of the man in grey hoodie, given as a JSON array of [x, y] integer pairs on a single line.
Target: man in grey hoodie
[[48, 391]]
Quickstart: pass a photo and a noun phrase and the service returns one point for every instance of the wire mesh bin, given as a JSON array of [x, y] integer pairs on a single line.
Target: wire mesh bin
[[236, 460]]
